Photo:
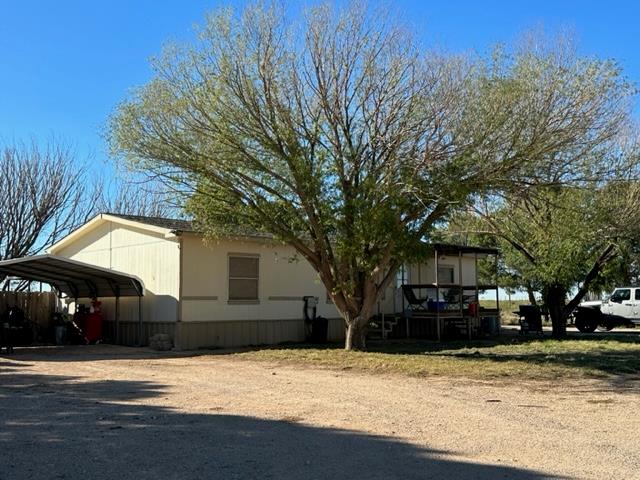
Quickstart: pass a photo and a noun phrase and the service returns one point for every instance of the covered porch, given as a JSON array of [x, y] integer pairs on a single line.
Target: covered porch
[[452, 294]]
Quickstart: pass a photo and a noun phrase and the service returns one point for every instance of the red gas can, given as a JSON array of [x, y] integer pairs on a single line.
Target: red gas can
[[93, 327]]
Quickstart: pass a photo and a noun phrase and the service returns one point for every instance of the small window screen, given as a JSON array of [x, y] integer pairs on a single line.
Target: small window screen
[[243, 278], [445, 275]]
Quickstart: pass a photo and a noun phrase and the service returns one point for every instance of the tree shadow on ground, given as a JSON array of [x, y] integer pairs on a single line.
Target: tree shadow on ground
[[82, 353], [600, 355], [59, 427]]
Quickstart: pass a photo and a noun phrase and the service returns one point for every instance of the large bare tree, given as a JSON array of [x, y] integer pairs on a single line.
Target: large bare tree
[[43, 195], [346, 139], [136, 195]]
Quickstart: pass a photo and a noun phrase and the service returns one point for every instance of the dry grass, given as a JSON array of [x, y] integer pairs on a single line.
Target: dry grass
[[591, 357], [507, 309]]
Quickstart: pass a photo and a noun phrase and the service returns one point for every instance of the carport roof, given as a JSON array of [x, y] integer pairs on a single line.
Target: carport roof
[[73, 278]]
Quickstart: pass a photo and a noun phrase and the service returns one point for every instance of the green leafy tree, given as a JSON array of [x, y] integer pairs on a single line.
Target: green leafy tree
[[560, 241], [344, 138]]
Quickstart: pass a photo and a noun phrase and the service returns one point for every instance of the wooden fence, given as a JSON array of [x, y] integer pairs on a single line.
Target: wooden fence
[[37, 306]]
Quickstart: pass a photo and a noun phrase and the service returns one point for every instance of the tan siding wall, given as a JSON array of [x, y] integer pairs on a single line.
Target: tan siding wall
[[149, 256], [391, 302], [282, 284], [468, 270], [93, 247], [425, 272]]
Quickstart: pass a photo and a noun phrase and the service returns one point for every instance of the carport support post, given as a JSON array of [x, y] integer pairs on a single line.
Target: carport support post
[[139, 320], [477, 297], [497, 289], [117, 329], [437, 296], [475, 263], [460, 284]]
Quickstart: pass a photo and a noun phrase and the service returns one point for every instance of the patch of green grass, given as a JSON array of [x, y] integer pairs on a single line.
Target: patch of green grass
[[507, 357]]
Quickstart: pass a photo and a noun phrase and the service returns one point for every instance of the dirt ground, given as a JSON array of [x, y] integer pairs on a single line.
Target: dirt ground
[[122, 413]]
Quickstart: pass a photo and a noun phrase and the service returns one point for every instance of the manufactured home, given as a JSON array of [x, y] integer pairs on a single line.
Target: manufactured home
[[242, 291], [156, 275]]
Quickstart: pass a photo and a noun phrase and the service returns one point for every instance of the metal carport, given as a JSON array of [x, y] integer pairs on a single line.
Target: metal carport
[[78, 280]]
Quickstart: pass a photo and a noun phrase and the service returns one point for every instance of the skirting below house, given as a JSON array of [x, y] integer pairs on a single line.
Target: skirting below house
[[224, 334], [218, 334], [128, 332]]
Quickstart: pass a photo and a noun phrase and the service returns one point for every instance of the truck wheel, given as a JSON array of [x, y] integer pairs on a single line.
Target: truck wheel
[[585, 326], [606, 327]]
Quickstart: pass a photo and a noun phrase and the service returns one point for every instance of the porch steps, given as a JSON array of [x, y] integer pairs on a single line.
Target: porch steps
[[376, 331]]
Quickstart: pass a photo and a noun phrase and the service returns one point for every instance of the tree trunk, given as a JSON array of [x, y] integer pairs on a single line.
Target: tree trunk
[[555, 297], [606, 256], [532, 297], [355, 336], [357, 323]]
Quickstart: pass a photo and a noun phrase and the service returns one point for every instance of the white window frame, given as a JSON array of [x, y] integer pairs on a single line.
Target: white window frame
[[453, 274]]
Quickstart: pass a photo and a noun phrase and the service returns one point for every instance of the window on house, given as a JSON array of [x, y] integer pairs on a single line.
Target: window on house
[[445, 275], [243, 277]]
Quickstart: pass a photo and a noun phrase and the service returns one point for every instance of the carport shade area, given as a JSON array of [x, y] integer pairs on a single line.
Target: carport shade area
[[77, 279]]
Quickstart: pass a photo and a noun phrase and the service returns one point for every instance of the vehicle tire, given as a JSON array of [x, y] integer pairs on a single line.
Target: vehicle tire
[[586, 325], [606, 327]]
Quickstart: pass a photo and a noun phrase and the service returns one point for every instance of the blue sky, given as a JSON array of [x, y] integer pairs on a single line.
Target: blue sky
[[64, 65]]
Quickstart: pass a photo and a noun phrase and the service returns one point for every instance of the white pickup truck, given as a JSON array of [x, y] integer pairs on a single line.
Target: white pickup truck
[[621, 308]]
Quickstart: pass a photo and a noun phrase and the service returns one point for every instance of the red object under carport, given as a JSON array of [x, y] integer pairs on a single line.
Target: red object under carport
[[90, 324]]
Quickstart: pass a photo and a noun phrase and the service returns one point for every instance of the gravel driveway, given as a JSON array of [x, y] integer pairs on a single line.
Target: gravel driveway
[[122, 413]]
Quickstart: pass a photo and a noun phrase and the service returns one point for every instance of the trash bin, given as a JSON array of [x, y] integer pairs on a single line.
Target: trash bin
[[5, 337], [319, 330], [530, 319], [490, 325], [316, 328]]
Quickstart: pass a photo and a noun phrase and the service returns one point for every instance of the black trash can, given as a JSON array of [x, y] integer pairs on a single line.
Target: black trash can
[[490, 326], [5, 337], [530, 319], [319, 330]]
